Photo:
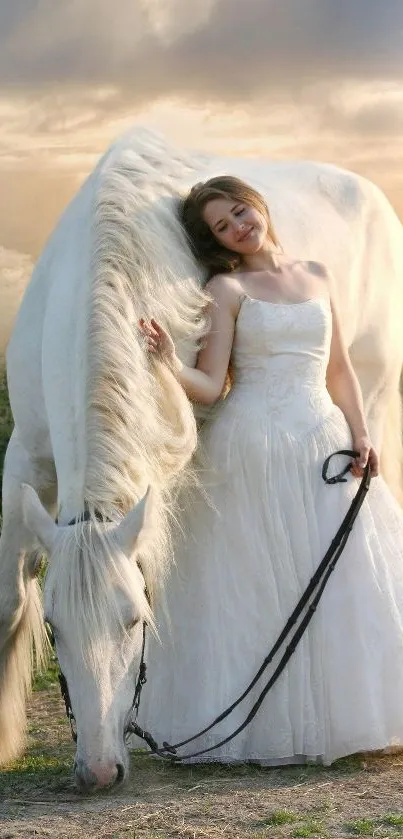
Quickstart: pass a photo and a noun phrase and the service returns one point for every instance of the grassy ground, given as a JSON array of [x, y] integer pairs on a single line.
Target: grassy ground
[[359, 796]]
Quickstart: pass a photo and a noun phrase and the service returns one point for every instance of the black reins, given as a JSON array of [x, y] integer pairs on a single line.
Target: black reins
[[309, 599], [318, 582]]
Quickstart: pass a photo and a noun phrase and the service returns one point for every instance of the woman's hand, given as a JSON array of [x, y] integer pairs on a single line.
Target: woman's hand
[[367, 454], [157, 340]]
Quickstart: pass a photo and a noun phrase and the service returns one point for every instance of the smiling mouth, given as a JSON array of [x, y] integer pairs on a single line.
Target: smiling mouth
[[246, 235]]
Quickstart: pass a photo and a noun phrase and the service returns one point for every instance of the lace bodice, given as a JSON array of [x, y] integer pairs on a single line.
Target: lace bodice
[[280, 356]]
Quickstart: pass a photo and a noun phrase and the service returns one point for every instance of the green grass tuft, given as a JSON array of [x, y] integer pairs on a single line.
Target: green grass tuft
[[36, 771], [41, 764], [48, 678], [307, 830], [347, 765], [393, 819], [279, 817], [361, 827]]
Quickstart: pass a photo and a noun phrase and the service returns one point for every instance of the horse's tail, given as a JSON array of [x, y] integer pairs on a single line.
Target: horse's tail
[[392, 445], [24, 642]]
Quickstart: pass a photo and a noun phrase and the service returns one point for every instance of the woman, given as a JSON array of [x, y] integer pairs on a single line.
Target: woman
[[253, 535]]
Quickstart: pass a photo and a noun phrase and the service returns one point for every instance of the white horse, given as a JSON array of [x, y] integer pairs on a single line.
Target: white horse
[[97, 421]]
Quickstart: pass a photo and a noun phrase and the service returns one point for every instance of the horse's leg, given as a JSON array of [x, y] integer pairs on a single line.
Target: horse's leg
[[21, 623]]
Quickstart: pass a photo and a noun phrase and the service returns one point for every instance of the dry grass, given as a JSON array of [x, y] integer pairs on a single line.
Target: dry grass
[[361, 796]]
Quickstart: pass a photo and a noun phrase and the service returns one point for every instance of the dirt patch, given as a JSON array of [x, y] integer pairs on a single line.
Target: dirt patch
[[358, 796]]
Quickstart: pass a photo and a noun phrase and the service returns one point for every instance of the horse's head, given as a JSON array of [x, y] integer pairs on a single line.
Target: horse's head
[[95, 600]]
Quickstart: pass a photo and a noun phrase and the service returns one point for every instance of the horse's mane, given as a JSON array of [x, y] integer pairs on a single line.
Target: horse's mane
[[140, 426]]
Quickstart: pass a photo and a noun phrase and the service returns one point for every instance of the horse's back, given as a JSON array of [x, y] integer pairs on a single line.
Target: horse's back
[[43, 346], [320, 213]]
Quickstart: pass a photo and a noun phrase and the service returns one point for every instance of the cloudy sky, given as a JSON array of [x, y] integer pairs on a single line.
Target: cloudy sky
[[316, 79]]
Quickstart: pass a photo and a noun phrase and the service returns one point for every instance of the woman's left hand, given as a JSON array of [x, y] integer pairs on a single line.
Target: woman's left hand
[[367, 454]]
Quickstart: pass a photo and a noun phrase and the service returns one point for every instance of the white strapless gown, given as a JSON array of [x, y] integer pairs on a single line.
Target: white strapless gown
[[248, 550]]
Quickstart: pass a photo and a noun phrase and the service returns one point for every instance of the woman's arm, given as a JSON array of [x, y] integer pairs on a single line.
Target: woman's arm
[[203, 383], [344, 388]]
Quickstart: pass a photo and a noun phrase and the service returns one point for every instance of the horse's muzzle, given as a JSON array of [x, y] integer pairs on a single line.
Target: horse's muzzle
[[98, 776]]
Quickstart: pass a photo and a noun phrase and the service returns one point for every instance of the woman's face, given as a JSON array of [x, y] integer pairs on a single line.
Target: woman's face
[[236, 225]]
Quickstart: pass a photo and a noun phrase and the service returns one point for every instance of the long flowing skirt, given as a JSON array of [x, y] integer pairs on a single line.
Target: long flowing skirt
[[245, 551]]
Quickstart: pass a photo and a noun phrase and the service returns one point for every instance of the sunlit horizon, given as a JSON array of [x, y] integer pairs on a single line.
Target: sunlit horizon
[[250, 80]]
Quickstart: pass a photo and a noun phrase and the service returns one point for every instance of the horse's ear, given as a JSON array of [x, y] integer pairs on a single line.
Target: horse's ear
[[37, 519], [128, 531]]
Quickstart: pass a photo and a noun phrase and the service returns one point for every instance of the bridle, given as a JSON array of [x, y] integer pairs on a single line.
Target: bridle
[[134, 708], [141, 679], [308, 601]]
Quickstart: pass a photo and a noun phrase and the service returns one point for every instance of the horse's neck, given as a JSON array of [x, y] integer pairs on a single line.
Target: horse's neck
[[65, 354]]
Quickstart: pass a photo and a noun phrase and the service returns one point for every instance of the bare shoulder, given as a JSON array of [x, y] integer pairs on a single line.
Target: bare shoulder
[[225, 291]]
